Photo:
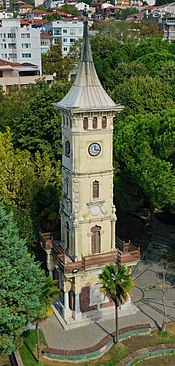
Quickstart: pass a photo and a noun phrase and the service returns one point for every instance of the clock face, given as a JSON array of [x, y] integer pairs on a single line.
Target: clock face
[[94, 149], [67, 148]]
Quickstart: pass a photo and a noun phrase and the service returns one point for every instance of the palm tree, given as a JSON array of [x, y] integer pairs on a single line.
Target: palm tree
[[116, 285], [49, 292]]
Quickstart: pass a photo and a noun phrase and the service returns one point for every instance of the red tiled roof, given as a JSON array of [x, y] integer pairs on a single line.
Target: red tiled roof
[[37, 11], [62, 13], [39, 21], [19, 3], [46, 36], [24, 22], [5, 11], [8, 63]]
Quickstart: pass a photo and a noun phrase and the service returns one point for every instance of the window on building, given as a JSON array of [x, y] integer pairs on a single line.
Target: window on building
[[72, 40], [26, 55], [12, 45], [5, 46], [104, 122], [57, 41], [4, 35], [95, 189], [65, 49], [64, 30], [25, 35], [85, 123], [57, 32], [12, 55], [94, 122], [95, 239], [45, 42], [1, 74], [1, 35], [11, 35], [64, 40], [26, 45], [72, 31]]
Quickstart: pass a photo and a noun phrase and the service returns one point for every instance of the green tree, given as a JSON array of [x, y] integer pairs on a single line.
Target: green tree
[[144, 151], [52, 17], [22, 178], [21, 284], [143, 95], [54, 62], [49, 292], [124, 13], [116, 285], [70, 9]]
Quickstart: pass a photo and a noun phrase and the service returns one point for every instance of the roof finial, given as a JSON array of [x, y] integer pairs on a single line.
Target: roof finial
[[86, 55]]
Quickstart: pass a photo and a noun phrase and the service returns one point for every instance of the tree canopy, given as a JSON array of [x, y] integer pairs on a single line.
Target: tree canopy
[[22, 283]]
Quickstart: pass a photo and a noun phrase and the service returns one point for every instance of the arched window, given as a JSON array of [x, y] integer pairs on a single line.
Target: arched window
[[95, 189], [104, 122], [67, 236], [95, 239], [94, 122], [85, 123]]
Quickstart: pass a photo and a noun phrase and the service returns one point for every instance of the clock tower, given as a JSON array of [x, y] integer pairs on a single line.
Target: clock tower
[[87, 211]]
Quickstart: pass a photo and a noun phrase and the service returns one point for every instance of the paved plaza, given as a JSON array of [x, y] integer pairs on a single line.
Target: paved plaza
[[147, 296]]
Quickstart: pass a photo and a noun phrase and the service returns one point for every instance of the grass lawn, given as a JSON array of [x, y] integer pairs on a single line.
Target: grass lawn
[[111, 358], [28, 350]]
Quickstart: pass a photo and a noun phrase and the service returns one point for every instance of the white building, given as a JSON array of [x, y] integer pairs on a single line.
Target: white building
[[50, 4], [68, 31], [46, 42], [19, 44], [5, 14]]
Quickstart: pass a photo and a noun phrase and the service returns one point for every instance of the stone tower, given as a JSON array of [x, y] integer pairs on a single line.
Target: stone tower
[[87, 210]]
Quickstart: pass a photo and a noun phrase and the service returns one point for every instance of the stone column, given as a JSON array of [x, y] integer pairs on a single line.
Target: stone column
[[50, 263], [67, 311], [113, 221], [77, 315], [113, 234]]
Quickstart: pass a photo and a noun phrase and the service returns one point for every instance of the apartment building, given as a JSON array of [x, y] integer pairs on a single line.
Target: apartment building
[[19, 43], [67, 30], [46, 42]]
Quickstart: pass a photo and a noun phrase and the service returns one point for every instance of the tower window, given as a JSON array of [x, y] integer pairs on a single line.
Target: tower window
[[95, 239], [104, 122], [85, 123], [94, 122], [95, 192]]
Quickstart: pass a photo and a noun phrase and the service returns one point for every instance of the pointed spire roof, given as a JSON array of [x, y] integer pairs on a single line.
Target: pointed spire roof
[[87, 93]]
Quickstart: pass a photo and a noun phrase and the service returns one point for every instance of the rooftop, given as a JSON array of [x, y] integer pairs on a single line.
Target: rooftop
[[87, 92]]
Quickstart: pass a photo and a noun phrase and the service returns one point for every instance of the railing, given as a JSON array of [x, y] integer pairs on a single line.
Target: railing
[[125, 252]]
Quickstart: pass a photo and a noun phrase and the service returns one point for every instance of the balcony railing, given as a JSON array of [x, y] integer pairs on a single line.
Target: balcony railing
[[125, 253]]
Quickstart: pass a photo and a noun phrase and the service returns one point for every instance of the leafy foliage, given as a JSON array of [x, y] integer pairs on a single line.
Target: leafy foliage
[[144, 150], [54, 62], [124, 13], [21, 284], [70, 9], [116, 282]]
